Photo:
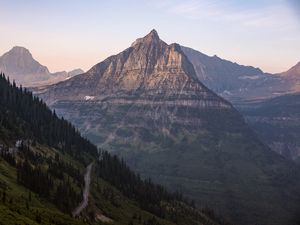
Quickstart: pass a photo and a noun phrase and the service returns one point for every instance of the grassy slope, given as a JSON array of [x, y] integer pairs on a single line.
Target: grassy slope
[[15, 211], [106, 202]]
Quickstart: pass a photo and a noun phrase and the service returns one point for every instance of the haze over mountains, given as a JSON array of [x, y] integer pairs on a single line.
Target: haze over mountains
[[277, 122], [147, 105], [250, 89], [238, 83], [20, 66]]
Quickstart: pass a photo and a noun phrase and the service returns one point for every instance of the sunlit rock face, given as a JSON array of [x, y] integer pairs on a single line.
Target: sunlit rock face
[[153, 80], [148, 68]]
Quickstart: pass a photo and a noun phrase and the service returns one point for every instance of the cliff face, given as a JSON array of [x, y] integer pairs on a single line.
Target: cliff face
[[147, 105], [149, 68], [149, 81]]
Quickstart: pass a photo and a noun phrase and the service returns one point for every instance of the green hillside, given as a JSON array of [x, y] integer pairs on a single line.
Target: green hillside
[[43, 159]]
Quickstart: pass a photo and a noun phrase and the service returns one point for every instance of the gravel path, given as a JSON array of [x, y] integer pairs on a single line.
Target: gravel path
[[86, 191]]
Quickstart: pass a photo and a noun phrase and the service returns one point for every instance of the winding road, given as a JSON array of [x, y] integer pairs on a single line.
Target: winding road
[[86, 191]]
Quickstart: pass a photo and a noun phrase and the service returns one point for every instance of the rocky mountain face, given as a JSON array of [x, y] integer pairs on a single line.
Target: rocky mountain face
[[238, 83], [20, 66], [148, 69], [147, 105], [277, 123]]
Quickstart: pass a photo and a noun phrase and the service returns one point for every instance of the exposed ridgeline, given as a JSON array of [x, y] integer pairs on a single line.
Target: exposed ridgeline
[[238, 83], [42, 163], [147, 105]]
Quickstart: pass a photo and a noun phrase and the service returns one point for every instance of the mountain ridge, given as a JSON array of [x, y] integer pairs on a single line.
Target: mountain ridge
[[238, 83], [143, 59]]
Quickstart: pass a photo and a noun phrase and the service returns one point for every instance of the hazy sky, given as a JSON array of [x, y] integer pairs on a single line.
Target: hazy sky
[[67, 34]]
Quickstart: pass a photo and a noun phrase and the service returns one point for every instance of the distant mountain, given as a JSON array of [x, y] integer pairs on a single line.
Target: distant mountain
[[20, 66], [75, 72], [277, 122], [238, 83], [147, 105]]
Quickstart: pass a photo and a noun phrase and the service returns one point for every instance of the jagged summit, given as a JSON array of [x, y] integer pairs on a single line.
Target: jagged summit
[[149, 68], [153, 34], [150, 38]]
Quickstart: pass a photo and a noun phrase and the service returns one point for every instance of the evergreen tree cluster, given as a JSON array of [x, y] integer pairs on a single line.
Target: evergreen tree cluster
[[149, 195], [23, 116], [34, 178], [7, 156], [66, 198], [49, 178], [38, 121]]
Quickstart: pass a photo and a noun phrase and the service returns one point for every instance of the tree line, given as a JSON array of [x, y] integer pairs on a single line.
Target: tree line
[[36, 121]]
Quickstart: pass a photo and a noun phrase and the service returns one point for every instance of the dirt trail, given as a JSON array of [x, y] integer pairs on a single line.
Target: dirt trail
[[86, 191]]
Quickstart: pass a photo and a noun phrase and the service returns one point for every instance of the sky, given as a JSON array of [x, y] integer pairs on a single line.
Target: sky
[[69, 34]]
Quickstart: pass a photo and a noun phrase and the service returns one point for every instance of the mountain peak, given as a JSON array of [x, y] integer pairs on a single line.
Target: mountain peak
[[153, 33], [19, 50], [151, 37], [19, 63]]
